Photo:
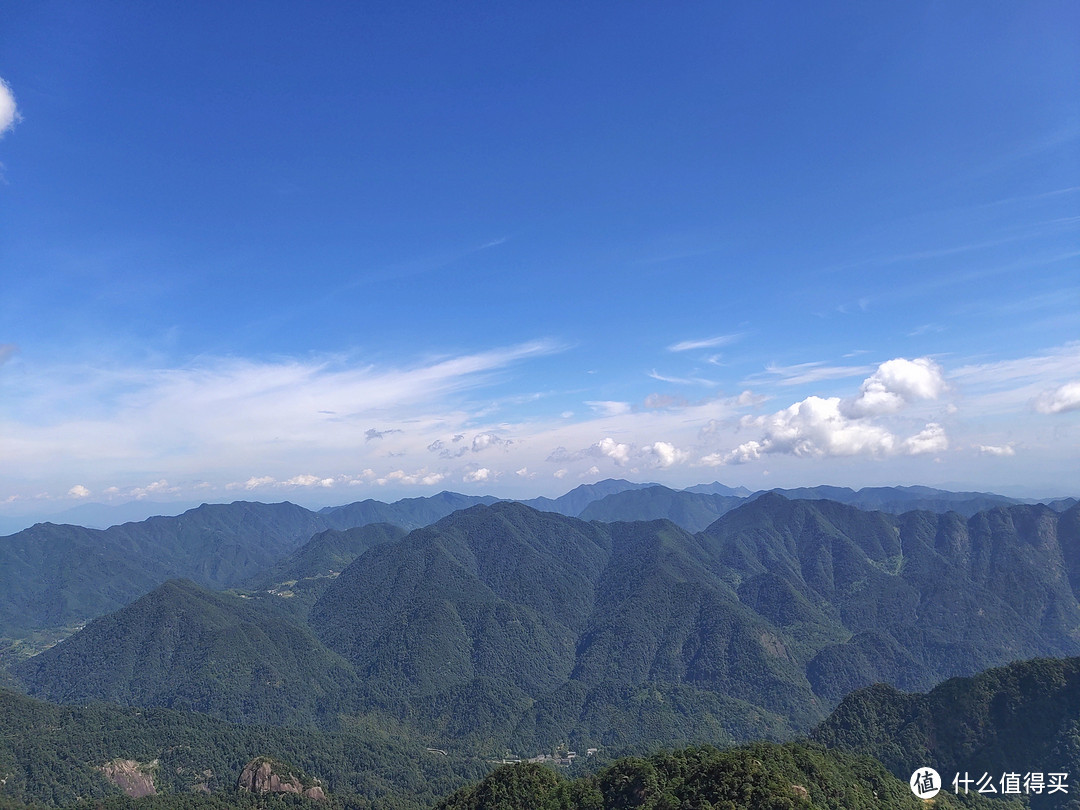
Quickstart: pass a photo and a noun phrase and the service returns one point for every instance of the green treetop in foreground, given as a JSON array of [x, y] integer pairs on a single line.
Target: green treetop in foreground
[[762, 776]]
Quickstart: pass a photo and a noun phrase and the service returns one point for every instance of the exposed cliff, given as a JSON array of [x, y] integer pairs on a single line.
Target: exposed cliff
[[266, 775], [136, 779]]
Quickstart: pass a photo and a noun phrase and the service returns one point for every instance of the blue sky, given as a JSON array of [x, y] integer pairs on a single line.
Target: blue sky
[[330, 251]]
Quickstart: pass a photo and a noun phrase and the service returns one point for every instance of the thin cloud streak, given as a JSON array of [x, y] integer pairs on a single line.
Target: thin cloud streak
[[682, 380], [707, 343], [232, 413], [805, 373]]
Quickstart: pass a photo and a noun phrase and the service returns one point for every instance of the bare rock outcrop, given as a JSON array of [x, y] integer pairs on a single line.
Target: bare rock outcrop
[[265, 775], [134, 778]]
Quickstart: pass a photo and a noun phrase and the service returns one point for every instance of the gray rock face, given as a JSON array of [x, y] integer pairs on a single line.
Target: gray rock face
[[134, 778], [261, 776]]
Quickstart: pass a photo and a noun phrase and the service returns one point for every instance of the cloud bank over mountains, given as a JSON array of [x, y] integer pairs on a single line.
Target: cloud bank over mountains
[[833, 426], [264, 428]]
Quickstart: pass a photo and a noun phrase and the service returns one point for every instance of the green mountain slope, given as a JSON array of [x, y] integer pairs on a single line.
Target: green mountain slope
[[692, 511], [1021, 718], [573, 502], [52, 576], [918, 597], [716, 488], [53, 755], [408, 513], [299, 579], [491, 592], [898, 500], [503, 623], [184, 647]]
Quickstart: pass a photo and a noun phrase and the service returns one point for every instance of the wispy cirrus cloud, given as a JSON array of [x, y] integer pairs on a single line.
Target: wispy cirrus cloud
[[1017, 384], [683, 380], [609, 407], [372, 433], [225, 416], [704, 343], [806, 373]]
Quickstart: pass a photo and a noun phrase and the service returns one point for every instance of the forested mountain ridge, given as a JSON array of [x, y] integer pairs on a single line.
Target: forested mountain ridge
[[1024, 717], [57, 576], [897, 500], [500, 626], [53, 755], [716, 488], [922, 596], [692, 511], [408, 513], [184, 647], [573, 502], [781, 605], [53, 575], [305, 574]]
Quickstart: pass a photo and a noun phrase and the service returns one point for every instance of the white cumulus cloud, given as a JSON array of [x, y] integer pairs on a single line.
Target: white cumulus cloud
[[155, 488], [616, 451], [482, 441], [931, 439], [304, 481], [667, 454], [421, 476], [1059, 400], [483, 474], [79, 491], [897, 383], [996, 450], [817, 427], [9, 113]]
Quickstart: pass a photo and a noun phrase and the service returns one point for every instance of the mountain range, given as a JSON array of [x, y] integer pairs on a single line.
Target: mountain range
[[475, 629], [54, 578], [501, 626], [1019, 717]]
